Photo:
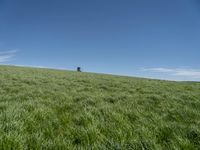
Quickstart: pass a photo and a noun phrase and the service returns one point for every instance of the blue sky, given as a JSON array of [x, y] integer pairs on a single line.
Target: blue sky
[[156, 39]]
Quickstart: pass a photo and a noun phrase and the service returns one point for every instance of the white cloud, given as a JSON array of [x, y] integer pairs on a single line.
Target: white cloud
[[42, 67], [6, 56], [163, 70], [178, 72], [189, 73]]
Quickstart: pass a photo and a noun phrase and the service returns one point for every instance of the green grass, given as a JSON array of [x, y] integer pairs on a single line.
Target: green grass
[[51, 109]]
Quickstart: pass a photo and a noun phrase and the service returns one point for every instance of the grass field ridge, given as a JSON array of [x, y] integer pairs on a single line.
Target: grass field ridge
[[58, 109]]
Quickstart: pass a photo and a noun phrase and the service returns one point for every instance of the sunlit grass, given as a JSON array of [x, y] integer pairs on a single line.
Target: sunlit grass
[[49, 109]]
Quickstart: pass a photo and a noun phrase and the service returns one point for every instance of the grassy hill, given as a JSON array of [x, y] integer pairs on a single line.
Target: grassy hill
[[51, 109]]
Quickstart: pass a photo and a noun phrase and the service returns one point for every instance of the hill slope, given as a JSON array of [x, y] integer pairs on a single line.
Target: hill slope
[[50, 109]]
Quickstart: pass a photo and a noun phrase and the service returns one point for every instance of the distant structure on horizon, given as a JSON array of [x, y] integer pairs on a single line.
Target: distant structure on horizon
[[79, 69]]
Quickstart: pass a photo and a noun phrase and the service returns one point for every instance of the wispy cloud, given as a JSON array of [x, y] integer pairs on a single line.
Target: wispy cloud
[[6, 56], [178, 72], [42, 67]]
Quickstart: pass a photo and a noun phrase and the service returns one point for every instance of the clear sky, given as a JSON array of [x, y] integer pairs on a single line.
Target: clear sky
[[147, 38]]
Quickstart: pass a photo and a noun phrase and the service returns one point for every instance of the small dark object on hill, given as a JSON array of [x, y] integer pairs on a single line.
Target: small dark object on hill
[[79, 69]]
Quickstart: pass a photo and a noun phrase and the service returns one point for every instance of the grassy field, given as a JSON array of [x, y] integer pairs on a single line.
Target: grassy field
[[51, 109]]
